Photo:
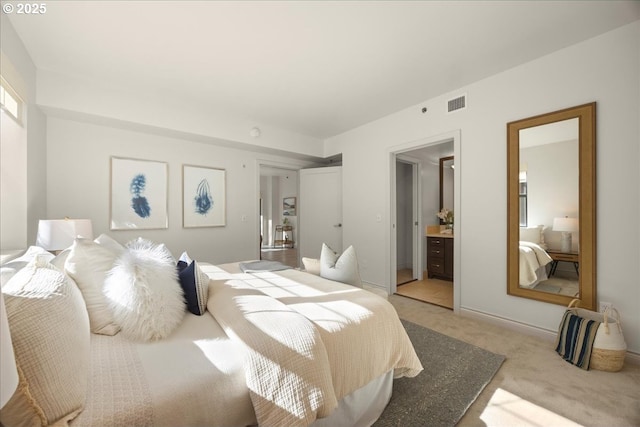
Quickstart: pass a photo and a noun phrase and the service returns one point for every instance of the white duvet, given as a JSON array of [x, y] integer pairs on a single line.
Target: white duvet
[[311, 341], [532, 257], [274, 349]]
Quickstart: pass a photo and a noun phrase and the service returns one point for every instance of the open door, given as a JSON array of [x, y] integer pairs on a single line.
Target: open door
[[320, 210], [408, 229]]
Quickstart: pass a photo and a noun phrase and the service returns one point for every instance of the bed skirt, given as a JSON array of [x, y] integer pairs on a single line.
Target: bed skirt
[[362, 407]]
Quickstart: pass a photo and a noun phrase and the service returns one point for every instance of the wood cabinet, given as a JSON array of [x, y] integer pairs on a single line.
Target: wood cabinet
[[440, 257]]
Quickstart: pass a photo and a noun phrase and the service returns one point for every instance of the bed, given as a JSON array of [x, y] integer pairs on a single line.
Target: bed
[[273, 348], [533, 257]]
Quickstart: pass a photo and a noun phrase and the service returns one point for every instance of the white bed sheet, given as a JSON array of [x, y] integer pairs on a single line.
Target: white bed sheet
[[532, 264]]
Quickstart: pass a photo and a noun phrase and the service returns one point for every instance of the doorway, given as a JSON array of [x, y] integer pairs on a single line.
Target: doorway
[[428, 152], [408, 201], [278, 215]]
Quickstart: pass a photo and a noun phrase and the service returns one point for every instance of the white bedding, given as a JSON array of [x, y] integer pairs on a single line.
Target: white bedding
[[350, 335], [533, 259], [194, 377], [198, 375]]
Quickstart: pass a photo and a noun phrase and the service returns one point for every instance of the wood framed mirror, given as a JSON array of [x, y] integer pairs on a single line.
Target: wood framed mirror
[[551, 207]]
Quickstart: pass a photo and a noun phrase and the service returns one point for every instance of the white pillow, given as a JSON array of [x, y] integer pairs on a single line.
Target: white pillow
[[109, 243], [87, 264], [143, 291], [50, 334], [311, 265], [9, 268], [533, 235], [343, 268]]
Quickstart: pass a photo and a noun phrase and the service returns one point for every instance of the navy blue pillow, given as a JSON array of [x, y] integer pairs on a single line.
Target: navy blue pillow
[[195, 285]]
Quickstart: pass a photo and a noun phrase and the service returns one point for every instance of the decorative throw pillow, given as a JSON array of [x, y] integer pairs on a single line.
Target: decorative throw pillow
[[108, 242], [195, 284], [88, 263], [50, 334], [533, 235], [143, 292], [311, 265], [343, 268]]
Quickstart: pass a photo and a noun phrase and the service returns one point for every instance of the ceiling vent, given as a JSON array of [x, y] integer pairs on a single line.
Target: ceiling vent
[[455, 104]]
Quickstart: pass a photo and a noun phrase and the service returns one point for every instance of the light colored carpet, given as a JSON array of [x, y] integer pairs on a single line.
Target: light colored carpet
[[534, 386]]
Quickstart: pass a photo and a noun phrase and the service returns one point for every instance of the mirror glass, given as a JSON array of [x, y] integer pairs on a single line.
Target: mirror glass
[[551, 247], [446, 182]]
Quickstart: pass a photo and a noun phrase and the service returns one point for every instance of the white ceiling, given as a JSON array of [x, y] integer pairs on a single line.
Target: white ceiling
[[314, 67]]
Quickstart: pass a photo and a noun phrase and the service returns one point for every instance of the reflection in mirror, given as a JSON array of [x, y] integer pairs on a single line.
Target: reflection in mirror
[[551, 233], [446, 182], [548, 216]]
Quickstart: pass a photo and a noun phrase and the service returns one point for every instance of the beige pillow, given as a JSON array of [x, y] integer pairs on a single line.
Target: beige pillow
[[50, 333], [342, 268], [88, 263], [311, 265]]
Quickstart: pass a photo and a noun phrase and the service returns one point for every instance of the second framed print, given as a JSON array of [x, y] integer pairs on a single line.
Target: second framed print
[[203, 196]]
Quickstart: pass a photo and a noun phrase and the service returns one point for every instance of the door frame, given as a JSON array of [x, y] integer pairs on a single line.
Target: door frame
[[277, 165], [399, 150]]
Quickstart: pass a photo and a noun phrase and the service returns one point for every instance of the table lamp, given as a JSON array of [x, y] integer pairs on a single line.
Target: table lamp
[[566, 225], [58, 234]]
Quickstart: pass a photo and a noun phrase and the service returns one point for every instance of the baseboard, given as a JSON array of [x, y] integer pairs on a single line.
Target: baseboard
[[545, 334]]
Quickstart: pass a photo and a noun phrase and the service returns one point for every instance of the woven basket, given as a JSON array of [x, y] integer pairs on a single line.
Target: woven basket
[[609, 347]]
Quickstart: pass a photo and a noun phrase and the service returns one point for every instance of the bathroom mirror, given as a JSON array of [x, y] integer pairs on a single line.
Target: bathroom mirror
[[551, 247], [446, 182]]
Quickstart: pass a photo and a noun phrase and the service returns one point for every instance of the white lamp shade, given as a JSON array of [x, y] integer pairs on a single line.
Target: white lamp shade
[[8, 370], [565, 224], [59, 234]]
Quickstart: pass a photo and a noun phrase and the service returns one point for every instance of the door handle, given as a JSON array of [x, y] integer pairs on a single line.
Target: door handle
[[337, 225]]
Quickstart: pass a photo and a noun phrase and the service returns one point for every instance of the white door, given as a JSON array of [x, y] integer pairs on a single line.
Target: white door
[[320, 210]]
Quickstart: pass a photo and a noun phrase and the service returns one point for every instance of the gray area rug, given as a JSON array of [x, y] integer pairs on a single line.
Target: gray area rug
[[454, 375]]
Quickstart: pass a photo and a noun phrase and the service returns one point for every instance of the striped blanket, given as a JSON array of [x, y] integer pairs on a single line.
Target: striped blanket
[[575, 339]]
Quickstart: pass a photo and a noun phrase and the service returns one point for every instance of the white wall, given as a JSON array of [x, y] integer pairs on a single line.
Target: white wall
[[605, 69], [13, 183], [29, 198], [78, 179]]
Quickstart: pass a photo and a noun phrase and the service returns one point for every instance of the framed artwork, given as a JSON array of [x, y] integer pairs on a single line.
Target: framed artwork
[[138, 194], [203, 196], [289, 206]]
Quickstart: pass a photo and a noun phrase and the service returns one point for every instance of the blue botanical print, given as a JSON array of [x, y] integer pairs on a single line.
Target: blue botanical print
[[203, 199], [139, 203]]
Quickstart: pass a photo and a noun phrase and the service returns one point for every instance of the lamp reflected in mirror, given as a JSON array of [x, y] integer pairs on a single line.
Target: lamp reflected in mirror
[[567, 226]]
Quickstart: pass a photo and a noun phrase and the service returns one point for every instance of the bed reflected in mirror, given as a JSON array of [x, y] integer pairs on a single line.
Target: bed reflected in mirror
[[551, 206]]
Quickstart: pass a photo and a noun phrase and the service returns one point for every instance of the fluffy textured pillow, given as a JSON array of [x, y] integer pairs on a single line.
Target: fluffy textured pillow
[[50, 333], [88, 263], [343, 268], [311, 265], [143, 292], [195, 284]]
